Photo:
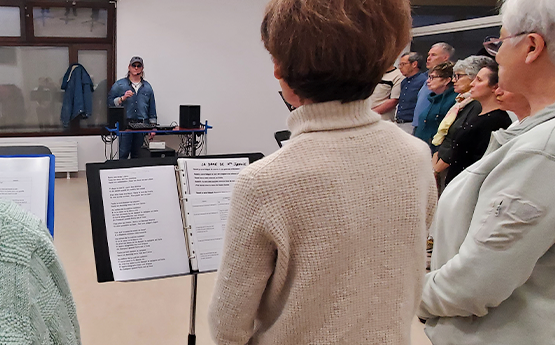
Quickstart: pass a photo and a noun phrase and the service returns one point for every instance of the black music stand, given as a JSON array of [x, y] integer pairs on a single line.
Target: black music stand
[[100, 242], [282, 137]]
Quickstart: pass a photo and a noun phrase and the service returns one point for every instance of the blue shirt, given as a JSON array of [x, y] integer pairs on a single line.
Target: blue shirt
[[409, 94], [141, 106], [422, 103]]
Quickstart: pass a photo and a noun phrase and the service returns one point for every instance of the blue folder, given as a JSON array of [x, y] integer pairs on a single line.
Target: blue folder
[[51, 176]]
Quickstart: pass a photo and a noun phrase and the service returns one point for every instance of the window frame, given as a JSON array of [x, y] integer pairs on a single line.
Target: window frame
[[461, 25], [74, 45]]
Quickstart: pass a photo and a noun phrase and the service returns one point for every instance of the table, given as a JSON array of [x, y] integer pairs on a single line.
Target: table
[[191, 139]]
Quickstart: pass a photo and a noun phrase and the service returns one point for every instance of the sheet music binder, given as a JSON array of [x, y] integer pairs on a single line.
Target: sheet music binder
[[50, 183], [98, 219], [183, 190]]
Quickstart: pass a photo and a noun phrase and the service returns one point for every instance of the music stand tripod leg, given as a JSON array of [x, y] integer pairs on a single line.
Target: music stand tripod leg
[[192, 336]]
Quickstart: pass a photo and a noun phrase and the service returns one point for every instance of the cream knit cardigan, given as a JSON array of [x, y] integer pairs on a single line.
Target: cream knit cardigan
[[325, 241]]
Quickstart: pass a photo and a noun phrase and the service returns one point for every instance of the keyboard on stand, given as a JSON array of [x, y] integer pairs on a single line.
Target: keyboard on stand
[[141, 125]]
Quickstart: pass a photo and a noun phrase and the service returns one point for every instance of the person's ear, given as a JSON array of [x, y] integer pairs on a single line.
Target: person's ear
[[277, 73], [536, 45]]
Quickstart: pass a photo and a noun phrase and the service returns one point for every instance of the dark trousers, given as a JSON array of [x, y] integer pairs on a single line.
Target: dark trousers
[[130, 143]]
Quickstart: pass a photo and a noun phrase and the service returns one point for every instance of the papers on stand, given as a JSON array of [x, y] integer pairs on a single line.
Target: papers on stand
[[206, 219], [206, 216], [143, 222], [208, 176], [29, 182]]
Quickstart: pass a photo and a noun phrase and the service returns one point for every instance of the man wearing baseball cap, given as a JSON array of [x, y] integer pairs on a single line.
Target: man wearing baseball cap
[[136, 95]]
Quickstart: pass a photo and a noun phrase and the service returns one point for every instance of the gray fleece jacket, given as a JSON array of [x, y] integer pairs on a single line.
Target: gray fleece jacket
[[493, 263]]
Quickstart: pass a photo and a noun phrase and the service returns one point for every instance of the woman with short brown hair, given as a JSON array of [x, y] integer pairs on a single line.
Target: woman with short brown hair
[[340, 49], [442, 98], [325, 238]]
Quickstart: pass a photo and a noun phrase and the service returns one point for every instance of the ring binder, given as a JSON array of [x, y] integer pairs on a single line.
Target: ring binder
[[152, 216]]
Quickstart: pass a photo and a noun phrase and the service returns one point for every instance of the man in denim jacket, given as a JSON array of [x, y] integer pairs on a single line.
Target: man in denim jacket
[[136, 95]]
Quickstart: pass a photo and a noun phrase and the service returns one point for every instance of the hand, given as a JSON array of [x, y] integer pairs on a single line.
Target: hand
[[126, 95], [151, 136], [435, 158]]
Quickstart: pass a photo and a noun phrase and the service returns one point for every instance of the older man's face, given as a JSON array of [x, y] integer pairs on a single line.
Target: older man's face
[[507, 63], [436, 55]]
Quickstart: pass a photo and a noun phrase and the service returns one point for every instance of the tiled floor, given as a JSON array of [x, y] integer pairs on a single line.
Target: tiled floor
[[140, 313]]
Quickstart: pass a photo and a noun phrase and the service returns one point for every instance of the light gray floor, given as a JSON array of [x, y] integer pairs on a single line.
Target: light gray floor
[[138, 313]]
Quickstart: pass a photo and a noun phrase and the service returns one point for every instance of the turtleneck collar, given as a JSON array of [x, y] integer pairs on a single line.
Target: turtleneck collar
[[330, 116]]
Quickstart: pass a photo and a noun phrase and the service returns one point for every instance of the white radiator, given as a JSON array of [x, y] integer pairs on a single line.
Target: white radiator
[[65, 151]]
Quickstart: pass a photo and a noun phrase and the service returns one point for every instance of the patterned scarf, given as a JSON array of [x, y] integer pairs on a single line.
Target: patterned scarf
[[462, 100]]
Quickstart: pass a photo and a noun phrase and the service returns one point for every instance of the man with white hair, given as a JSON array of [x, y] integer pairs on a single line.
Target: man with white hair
[[438, 53], [493, 264]]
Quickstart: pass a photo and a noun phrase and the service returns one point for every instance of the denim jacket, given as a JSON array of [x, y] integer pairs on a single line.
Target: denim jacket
[[141, 106], [78, 88]]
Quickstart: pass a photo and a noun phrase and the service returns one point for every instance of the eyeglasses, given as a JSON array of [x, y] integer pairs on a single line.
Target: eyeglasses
[[401, 64], [459, 76], [432, 77], [136, 65], [492, 44]]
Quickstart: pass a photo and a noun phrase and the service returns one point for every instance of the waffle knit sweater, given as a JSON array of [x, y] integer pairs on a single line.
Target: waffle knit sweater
[[325, 241], [36, 306]]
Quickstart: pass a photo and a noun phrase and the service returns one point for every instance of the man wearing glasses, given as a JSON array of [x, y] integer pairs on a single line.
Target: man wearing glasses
[[409, 65], [136, 95]]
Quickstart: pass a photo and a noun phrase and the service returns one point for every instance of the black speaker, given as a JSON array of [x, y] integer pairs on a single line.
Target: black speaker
[[117, 114], [189, 116]]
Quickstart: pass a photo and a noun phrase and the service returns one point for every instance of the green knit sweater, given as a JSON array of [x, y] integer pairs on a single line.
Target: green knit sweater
[[36, 306]]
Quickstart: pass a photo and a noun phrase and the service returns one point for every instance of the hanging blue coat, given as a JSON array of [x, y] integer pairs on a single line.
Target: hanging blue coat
[[78, 88]]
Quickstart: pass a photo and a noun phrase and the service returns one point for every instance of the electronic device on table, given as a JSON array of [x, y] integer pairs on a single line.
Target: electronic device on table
[[189, 116], [165, 128], [141, 125]]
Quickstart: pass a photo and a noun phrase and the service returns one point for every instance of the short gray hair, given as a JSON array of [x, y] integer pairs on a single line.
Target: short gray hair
[[447, 48], [472, 65], [414, 56], [531, 16]]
